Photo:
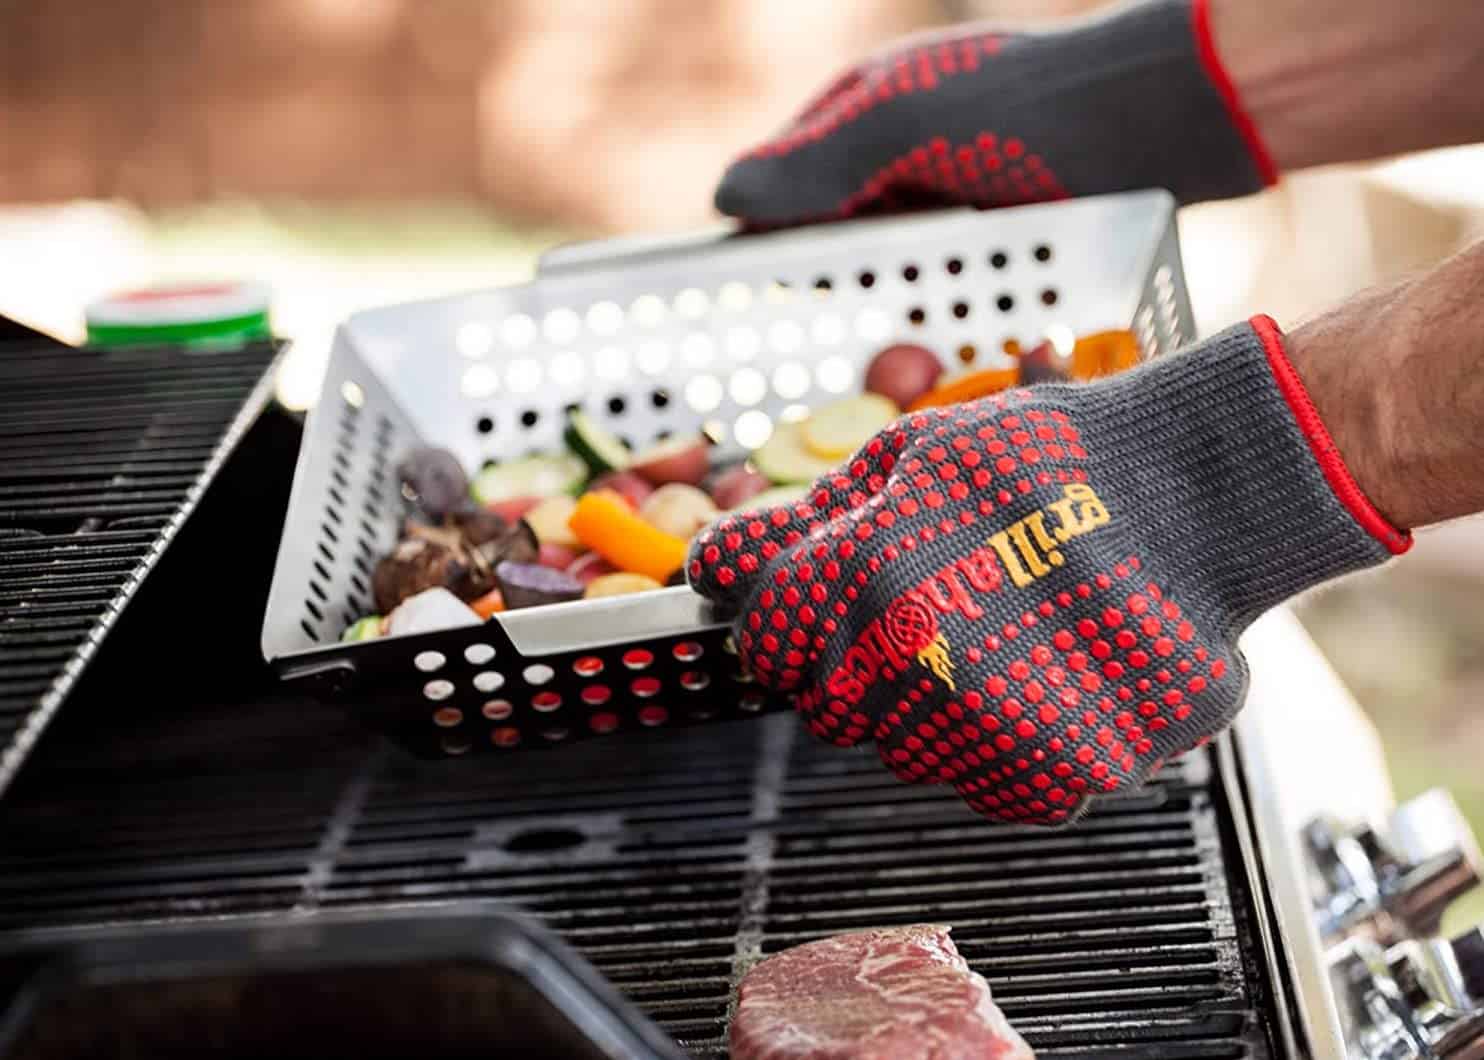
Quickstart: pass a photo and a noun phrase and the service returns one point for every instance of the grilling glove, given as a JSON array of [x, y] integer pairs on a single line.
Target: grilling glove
[[1036, 596], [1136, 100]]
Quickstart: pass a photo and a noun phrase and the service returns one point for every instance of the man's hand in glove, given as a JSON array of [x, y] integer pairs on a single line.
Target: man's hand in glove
[[1208, 98], [1036, 597]]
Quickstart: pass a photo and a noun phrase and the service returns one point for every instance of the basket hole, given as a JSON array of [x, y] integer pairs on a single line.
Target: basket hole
[[692, 303], [1005, 303], [438, 690], [910, 273], [653, 715], [544, 840], [375, 495], [529, 417], [455, 745], [748, 386], [785, 336], [715, 431], [479, 654], [448, 717], [505, 736], [999, 259], [1011, 347], [333, 515], [587, 666], [538, 674], [363, 565], [555, 734], [318, 590], [866, 279], [429, 661], [322, 571], [752, 429], [324, 550], [734, 295], [917, 315], [823, 283], [1041, 253], [1049, 296], [319, 616], [489, 681], [309, 630], [336, 496], [617, 405], [834, 374], [967, 353], [330, 533], [360, 586], [703, 393], [659, 398], [561, 326], [960, 310], [497, 709], [954, 266], [484, 425], [339, 479]]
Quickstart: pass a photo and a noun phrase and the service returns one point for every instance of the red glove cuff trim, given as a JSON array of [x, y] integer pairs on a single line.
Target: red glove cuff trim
[[1323, 446], [1205, 45]]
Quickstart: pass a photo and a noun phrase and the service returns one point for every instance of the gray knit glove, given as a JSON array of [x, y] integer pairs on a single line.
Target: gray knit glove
[[1138, 99], [1036, 597]]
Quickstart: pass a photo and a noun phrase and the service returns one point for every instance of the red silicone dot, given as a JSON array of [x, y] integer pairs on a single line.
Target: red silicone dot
[[588, 666], [603, 722], [653, 715], [637, 658]]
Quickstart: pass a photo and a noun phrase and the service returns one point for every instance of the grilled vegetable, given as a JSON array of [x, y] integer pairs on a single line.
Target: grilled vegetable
[[479, 526], [620, 584], [674, 460], [429, 610], [513, 508], [531, 585], [630, 485], [434, 479], [533, 476], [1104, 353], [777, 497], [785, 459], [549, 520], [605, 524], [589, 566], [557, 557], [599, 449], [490, 603], [838, 429], [735, 485], [417, 564], [1044, 364], [903, 373], [678, 509], [517, 544], [967, 388], [368, 628]]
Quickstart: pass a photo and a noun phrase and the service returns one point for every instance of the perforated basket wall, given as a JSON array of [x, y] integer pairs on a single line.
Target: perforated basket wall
[[725, 335]]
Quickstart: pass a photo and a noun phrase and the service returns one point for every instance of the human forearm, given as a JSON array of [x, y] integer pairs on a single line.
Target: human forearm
[[1397, 374], [1330, 81]]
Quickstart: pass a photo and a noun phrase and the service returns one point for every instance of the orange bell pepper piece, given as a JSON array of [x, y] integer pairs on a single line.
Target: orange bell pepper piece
[[1104, 353], [967, 388], [605, 523]]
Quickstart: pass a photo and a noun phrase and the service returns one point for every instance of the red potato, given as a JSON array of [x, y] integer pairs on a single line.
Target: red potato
[[903, 373], [630, 486], [1044, 365], [557, 557], [590, 565], [515, 508], [674, 460], [738, 485]]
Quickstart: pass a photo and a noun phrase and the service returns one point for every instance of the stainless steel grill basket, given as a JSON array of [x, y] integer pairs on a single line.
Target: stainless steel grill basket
[[725, 335]]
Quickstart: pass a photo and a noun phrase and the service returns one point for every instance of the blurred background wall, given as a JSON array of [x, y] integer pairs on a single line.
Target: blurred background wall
[[358, 152]]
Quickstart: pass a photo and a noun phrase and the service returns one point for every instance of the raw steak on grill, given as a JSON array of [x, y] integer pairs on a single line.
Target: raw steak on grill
[[893, 994]]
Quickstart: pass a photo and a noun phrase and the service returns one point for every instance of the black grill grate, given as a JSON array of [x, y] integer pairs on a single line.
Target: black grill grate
[[102, 456], [672, 860]]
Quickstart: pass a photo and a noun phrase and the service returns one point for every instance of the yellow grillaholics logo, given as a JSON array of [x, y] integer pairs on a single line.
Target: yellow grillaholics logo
[[1029, 550]]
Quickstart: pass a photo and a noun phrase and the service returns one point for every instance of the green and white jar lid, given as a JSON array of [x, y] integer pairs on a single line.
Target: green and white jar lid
[[209, 314]]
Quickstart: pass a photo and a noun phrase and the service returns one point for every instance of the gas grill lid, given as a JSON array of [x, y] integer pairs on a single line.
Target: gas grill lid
[[103, 455]]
